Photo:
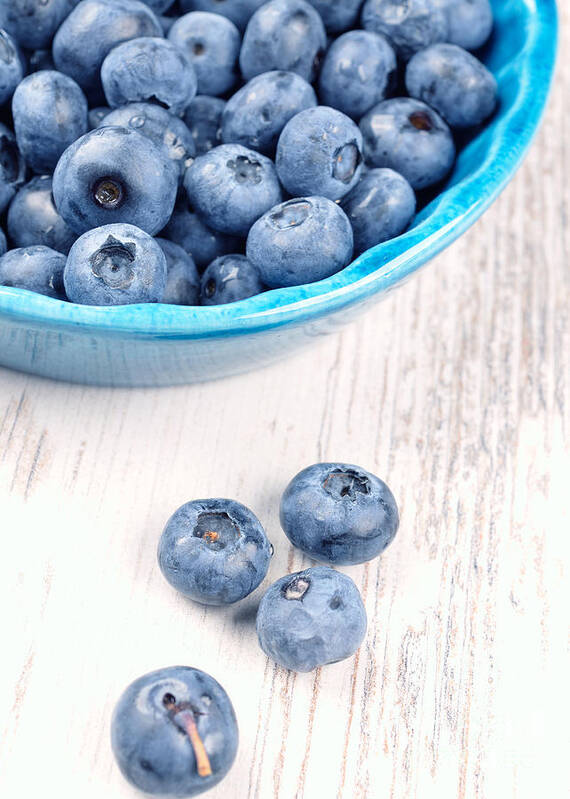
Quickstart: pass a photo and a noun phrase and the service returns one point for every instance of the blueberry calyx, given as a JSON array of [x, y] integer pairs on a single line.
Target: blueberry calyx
[[346, 484], [210, 288], [291, 214], [245, 169], [216, 530], [108, 193], [112, 263], [297, 588], [345, 162], [421, 120]]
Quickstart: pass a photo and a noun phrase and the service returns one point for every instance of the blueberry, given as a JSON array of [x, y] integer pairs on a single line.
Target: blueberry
[[11, 67], [12, 167], [231, 187], [3, 244], [410, 137], [239, 11], [33, 23], [182, 279], [115, 175], [380, 207], [470, 21], [115, 265], [174, 732], [166, 131], [195, 237], [319, 152], [33, 218], [300, 241], [257, 113], [50, 113], [212, 44], [410, 25], [37, 269], [338, 513], [338, 16], [454, 82], [283, 34], [228, 279], [91, 31], [311, 619], [97, 115], [359, 71], [148, 70], [214, 551], [204, 120]]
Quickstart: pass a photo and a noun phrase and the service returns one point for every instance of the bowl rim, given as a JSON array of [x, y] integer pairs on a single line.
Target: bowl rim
[[378, 269]]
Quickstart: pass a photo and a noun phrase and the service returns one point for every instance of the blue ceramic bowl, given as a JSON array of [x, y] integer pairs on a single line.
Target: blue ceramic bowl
[[154, 345]]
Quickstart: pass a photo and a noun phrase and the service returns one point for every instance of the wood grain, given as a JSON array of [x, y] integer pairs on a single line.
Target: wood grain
[[456, 390]]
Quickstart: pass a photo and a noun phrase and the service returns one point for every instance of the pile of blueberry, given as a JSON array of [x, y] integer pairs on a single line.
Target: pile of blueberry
[[201, 151], [174, 731]]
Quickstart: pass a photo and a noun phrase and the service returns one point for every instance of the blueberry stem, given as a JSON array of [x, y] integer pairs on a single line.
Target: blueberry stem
[[202, 759]]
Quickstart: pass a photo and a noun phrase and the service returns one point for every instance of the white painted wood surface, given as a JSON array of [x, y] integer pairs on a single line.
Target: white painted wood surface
[[455, 390]]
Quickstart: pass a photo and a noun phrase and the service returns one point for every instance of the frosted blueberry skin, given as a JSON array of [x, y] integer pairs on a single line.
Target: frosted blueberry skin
[[410, 137], [214, 551], [339, 513], [115, 265], [149, 70], [91, 31], [12, 167], [229, 278], [337, 16], [202, 243], [300, 241], [115, 174], [320, 153], [283, 35], [3, 244], [470, 22], [37, 268], [258, 112], [11, 67], [410, 25], [211, 42], [50, 113], [34, 219], [380, 207], [239, 11], [33, 23], [162, 128], [231, 187], [312, 618], [150, 732], [204, 120], [182, 279], [454, 82], [358, 72]]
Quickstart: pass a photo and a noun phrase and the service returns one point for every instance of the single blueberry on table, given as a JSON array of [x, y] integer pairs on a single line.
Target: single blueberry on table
[[319, 152], [115, 265], [202, 243], [182, 279], [38, 269], [214, 551], [380, 207], [91, 31], [12, 167], [338, 16], [97, 115], [33, 23], [300, 241], [470, 21], [454, 82], [166, 131], [312, 618], [285, 35], [174, 732], [228, 279], [211, 43], [239, 11], [34, 219], [11, 67], [258, 112], [231, 187], [204, 120], [149, 70], [358, 72], [115, 174], [339, 513], [50, 113], [410, 25], [410, 137]]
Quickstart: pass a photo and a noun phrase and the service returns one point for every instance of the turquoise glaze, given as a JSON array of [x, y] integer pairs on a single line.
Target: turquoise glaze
[[155, 345]]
